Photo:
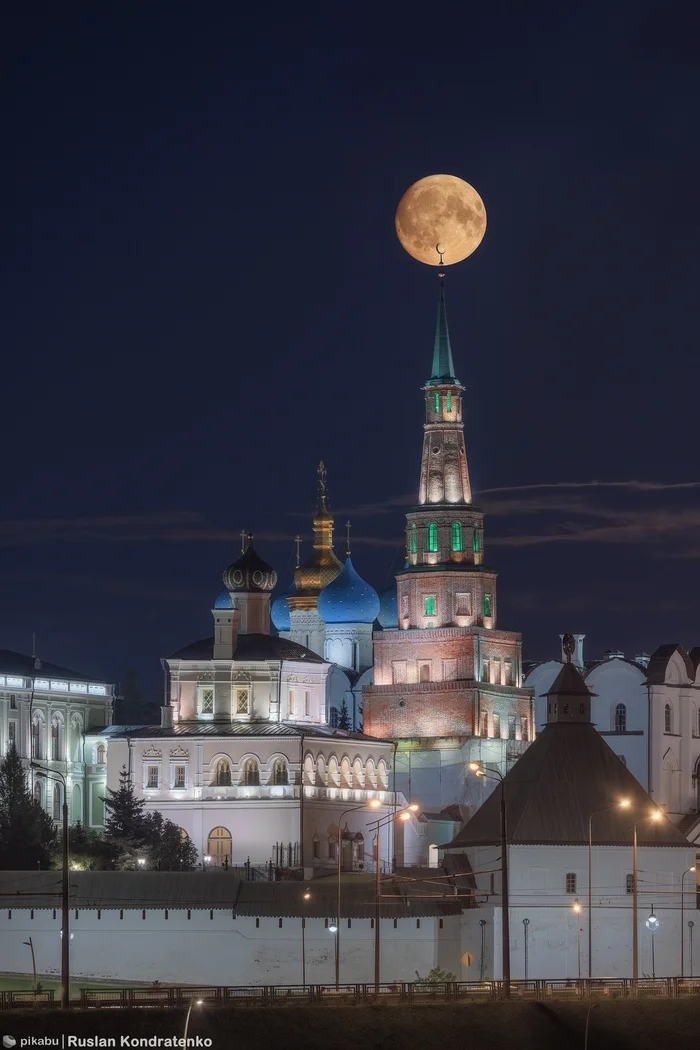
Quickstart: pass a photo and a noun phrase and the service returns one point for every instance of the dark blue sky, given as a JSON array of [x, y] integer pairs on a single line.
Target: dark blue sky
[[204, 295]]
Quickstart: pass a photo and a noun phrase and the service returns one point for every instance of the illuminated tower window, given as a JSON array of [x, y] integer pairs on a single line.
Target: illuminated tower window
[[487, 604], [432, 537], [477, 543], [437, 403], [449, 402], [414, 540], [456, 536], [429, 606]]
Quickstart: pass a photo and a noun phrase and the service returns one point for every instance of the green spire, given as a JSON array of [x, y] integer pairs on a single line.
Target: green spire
[[443, 367]]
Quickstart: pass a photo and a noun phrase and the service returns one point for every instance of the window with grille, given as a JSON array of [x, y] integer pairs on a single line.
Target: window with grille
[[629, 883], [279, 772], [152, 776], [571, 882], [620, 718], [456, 536], [100, 755], [432, 537], [179, 777], [206, 701], [251, 772], [242, 702]]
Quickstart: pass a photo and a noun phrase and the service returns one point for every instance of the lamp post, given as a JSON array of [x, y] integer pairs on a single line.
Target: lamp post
[[193, 1002], [652, 924], [307, 897], [403, 815], [654, 815], [374, 803], [45, 774], [494, 774], [577, 913], [30, 945], [690, 946], [623, 804], [686, 872]]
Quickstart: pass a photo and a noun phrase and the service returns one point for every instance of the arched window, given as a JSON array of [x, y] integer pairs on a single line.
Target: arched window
[[219, 846], [223, 773], [101, 753], [36, 737], [251, 772], [477, 542], [487, 604], [279, 772], [668, 718], [620, 718], [56, 802], [429, 606], [76, 733], [432, 537], [55, 739], [37, 791], [456, 536], [571, 882], [414, 540]]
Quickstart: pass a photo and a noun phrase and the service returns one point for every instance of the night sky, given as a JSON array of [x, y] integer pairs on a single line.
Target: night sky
[[204, 295]]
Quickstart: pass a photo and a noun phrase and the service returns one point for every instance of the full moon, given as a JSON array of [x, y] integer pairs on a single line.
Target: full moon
[[440, 220]]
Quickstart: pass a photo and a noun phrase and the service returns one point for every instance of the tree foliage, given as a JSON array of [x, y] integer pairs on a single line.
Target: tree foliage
[[27, 833], [89, 850], [344, 717], [137, 834], [436, 976]]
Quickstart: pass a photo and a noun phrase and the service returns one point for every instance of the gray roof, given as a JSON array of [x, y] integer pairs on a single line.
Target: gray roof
[[224, 729], [26, 666], [656, 671], [251, 647], [565, 775], [220, 890]]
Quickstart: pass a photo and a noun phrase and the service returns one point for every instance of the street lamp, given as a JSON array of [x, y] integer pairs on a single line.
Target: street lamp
[[654, 815], [45, 774], [207, 860], [652, 924], [577, 913], [686, 872], [306, 896], [141, 861], [404, 815], [193, 1002], [623, 804], [373, 803], [493, 774]]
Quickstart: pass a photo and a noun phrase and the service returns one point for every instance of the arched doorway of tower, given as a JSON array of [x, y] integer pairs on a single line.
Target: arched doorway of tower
[[219, 847]]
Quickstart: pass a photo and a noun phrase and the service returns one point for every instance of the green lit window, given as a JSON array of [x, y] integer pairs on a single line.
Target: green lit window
[[414, 541], [487, 604], [449, 402], [429, 606], [437, 403], [477, 542], [432, 537], [456, 536]]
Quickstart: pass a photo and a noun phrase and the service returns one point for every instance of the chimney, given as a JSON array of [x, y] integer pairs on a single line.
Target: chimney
[[166, 717], [577, 655], [226, 624]]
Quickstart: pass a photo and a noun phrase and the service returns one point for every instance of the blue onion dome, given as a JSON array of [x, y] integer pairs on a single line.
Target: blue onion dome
[[279, 613], [224, 601], [389, 608], [250, 572], [348, 599]]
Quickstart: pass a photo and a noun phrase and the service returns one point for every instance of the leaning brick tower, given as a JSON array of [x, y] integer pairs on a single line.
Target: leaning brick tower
[[447, 683]]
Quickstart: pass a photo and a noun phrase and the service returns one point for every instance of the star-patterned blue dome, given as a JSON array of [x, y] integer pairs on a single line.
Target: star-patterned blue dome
[[389, 608], [279, 613], [348, 599], [223, 601]]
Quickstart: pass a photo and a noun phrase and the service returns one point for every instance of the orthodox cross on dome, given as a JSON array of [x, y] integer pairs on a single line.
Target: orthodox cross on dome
[[297, 541], [322, 475], [568, 644], [243, 536], [348, 526]]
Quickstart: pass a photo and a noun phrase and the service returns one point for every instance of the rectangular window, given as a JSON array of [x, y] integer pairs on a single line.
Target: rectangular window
[[432, 537], [152, 776], [179, 777], [487, 604], [398, 670], [524, 727], [511, 727], [13, 701], [571, 881], [307, 703], [414, 540], [316, 850], [485, 670], [437, 404], [484, 727], [449, 402], [456, 536], [509, 668], [477, 541], [292, 703], [497, 726], [430, 606], [629, 883], [242, 702], [206, 701], [424, 671], [497, 670]]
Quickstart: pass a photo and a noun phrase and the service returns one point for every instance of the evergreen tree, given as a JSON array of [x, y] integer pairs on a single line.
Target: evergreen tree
[[27, 833], [90, 850], [126, 818], [344, 717], [169, 847]]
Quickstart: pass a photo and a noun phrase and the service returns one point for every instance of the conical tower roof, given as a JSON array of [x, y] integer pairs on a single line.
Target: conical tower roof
[[443, 365]]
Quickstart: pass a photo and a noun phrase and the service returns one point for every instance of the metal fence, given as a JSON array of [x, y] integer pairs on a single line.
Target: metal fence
[[356, 994]]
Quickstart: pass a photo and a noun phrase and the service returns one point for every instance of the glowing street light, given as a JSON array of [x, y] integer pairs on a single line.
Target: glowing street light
[[577, 912], [193, 1002], [686, 872]]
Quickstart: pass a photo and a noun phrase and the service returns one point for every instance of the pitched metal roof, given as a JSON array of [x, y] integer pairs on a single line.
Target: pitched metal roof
[[658, 662], [224, 729], [251, 647], [219, 890], [565, 775], [20, 664]]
